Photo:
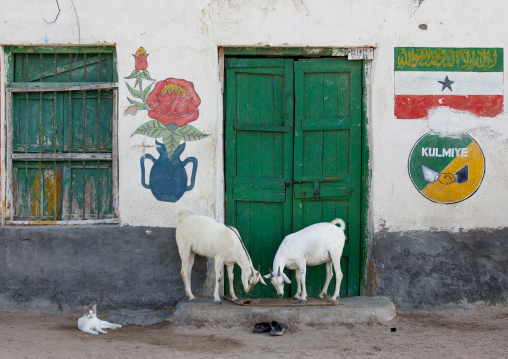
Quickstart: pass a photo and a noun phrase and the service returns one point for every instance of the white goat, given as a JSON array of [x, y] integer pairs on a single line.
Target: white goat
[[196, 234], [313, 245]]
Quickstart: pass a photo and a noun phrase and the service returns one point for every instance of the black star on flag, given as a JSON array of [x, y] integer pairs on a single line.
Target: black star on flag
[[447, 83]]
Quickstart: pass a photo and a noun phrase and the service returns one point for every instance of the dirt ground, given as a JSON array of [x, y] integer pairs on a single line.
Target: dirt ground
[[457, 333]]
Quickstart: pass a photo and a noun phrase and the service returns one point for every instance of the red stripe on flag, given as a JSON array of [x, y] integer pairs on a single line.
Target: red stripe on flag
[[418, 106]]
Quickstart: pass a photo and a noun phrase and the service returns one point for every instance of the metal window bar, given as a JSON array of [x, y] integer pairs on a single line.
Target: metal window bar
[[99, 120], [99, 67], [56, 67], [40, 72], [84, 121], [70, 67], [84, 68], [98, 188]]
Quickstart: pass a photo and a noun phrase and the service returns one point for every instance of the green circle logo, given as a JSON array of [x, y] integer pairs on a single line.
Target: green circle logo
[[446, 169]]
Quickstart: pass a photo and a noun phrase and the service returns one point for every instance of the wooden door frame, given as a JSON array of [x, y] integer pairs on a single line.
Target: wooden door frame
[[366, 218]]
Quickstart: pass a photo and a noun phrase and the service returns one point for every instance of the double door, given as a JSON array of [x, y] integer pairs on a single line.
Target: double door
[[293, 146]]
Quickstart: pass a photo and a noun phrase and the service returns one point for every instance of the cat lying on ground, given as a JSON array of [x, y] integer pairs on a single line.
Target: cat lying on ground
[[89, 323]]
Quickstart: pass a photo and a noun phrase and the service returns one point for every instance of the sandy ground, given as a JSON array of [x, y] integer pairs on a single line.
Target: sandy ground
[[457, 333]]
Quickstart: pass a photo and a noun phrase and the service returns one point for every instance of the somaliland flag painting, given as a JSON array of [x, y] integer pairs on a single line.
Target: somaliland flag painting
[[464, 79]]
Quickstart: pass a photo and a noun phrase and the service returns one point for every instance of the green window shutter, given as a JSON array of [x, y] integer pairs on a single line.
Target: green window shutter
[[63, 67], [62, 135]]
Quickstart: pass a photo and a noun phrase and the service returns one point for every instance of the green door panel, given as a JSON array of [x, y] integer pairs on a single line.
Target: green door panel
[[259, 155], [327, 159]]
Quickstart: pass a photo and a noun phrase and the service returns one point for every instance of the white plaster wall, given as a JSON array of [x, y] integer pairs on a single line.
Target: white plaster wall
[[182, 39]]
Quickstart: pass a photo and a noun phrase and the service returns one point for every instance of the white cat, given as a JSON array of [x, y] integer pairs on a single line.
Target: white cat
[[89, 323]]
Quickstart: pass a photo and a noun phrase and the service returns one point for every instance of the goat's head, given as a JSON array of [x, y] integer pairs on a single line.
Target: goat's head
[[278, 281], [249, 280]]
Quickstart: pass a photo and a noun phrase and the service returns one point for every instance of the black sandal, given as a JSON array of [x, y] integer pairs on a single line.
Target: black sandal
[[263, 327], [278, 328]]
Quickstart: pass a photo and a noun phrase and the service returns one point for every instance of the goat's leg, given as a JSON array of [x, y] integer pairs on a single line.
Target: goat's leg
[[192, 256], [329, 275], [298, 294], [185, 256], [338, 275], [219, 263], [231, 288], [303, 272]]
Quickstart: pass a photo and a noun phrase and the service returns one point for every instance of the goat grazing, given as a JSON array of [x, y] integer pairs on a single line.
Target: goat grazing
[[314, 245], [196, 234]]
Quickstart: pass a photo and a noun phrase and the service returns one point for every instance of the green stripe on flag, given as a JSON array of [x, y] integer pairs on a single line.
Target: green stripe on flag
[[448, 59]]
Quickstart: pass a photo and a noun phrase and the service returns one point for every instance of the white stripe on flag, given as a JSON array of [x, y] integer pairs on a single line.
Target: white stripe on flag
[[464, 83]]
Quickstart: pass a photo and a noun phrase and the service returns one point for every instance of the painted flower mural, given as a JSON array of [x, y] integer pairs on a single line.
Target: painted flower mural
[[172, 104], [173, 101]]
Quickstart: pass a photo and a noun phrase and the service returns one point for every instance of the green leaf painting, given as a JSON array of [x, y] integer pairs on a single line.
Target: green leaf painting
[[133, 91], [153, 129], [190, 133], [147, 91], [171, 141], [134, 74], [141, 106]]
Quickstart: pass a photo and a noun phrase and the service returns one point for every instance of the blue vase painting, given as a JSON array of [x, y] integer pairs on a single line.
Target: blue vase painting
[[168, 178]]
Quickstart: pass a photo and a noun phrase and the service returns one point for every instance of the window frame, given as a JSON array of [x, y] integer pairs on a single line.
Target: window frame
[[12, 87]]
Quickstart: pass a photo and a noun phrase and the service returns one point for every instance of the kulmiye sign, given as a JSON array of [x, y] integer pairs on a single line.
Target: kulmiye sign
[[446, 169]]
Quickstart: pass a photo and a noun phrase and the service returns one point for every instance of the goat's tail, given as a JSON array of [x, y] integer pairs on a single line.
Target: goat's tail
[[340, 222], [179, 216]]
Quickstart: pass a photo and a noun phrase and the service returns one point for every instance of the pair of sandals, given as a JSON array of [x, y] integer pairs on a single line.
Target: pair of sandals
[[274, 328]]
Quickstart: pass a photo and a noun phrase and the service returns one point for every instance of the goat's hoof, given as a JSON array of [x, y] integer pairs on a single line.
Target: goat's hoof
[[319, 297], [217, 302], [236, 300], [302, 301]]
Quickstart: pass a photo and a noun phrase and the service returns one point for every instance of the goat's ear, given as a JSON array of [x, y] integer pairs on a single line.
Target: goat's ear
[[285, 277], [267, 276]]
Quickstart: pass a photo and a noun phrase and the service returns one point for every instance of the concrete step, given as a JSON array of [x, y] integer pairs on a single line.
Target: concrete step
[[355, 310], [139, 316]]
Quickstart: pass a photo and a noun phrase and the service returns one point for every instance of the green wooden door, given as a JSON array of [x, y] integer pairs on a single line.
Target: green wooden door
[[293, 157], [327, 159]]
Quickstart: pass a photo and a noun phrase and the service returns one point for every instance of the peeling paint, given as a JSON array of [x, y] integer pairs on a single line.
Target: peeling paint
[[131, 110]]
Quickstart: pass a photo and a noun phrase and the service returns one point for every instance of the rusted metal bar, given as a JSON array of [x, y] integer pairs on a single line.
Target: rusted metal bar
[[114, 165], [61, 156], [51, 87]]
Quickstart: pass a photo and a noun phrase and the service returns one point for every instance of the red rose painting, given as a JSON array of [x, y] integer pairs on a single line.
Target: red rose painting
[[141, 59], [173, 101]]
